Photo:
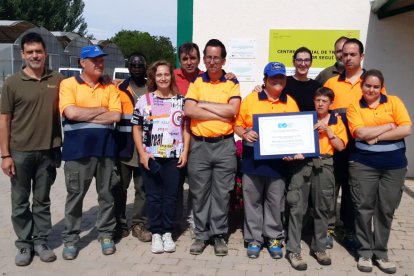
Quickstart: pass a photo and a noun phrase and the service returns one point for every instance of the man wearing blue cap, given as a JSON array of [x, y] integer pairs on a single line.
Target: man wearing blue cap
[[90, 107]]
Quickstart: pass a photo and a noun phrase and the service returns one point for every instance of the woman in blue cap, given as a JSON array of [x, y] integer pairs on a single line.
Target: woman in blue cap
[[263, 180]]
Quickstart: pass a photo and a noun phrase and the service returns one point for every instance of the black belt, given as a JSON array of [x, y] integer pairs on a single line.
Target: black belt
[[325, 156], [212, 139]]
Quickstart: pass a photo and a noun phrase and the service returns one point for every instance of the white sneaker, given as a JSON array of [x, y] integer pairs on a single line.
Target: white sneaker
[[156, 244], [169, 245], [386, 266], [364, 264]]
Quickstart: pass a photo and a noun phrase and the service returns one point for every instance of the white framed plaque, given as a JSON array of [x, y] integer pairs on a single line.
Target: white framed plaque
[[285, 134]]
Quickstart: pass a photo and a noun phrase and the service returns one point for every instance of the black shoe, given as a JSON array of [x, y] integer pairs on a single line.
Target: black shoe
[[197, 247], [220, 246], [120, 233]]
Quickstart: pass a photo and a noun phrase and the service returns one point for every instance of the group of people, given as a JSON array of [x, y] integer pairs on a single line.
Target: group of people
[[161, 125]]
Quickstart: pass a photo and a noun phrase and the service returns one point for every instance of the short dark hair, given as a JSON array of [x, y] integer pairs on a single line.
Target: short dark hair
[[32, 37], [216, 43], [302, 50], [341, 39], [324, 91], [372, 73], [357, 42], [187, 47], [136, 54]]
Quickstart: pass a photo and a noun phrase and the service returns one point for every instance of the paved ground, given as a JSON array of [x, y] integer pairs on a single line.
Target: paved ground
[[134, 258]]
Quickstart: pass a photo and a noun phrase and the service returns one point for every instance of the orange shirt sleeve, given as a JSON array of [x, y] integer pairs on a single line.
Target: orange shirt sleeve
[[235, 91], [114, 99], [66, 94], [340, 131], [243, 112], [354, 118], [399, 112], [193, 92]]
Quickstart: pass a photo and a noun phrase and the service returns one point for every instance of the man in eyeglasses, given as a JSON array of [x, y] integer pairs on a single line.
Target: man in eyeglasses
[[212, 102], [127, 163]]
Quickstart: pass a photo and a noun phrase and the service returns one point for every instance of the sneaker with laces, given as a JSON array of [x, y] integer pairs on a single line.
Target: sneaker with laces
[[322, 257], [220, 246], [107, 246], [157, 246], [141, 232], [364, 264], [274, 247], [330, 238], [253, 250], [45, 253], [386, 266], [23, 257], [168, 243], [69, 252], [197, 247], [297, 261]]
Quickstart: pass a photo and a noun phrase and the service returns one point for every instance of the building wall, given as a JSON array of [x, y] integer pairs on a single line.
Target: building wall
[[388, 41], [226, 20]]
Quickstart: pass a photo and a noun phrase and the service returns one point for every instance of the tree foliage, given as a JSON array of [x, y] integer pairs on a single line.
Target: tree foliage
[[153, 47], [54, 15]]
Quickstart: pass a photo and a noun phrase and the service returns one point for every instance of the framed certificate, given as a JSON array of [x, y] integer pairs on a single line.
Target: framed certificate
[[285, 134]]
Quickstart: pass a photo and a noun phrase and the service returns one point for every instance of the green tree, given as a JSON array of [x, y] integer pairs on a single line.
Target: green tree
[[153, 47], [54, 15]]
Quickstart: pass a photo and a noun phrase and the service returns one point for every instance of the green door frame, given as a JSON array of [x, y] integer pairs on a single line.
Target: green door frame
[[184, 24]]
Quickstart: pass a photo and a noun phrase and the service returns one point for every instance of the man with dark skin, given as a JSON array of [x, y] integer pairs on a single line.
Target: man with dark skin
[[127, 160]]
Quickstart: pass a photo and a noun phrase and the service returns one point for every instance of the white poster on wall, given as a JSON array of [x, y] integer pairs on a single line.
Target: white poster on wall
[[241, 48]]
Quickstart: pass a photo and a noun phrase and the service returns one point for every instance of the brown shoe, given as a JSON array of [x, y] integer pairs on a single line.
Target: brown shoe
[[322, 257], [141, 232]]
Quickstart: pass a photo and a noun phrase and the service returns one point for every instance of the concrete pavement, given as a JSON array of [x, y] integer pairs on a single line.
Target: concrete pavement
[[134, 258]]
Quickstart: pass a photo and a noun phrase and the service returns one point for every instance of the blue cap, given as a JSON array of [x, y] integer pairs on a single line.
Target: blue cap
[[274, 68], [91, 51]]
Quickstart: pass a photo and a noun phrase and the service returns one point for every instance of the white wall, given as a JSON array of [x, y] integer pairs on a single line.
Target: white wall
[[225, 20], [389, 42]]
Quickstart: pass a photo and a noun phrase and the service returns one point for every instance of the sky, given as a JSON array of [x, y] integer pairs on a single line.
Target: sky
[[158, 17]]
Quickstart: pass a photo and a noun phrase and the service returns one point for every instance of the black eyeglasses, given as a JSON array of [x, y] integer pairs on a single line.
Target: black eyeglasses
[[136, 65], [305, 60]]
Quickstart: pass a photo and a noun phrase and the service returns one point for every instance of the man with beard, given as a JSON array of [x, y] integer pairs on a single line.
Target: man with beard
[[30, 136], [127, 163], [338, 67]]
